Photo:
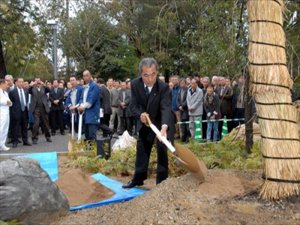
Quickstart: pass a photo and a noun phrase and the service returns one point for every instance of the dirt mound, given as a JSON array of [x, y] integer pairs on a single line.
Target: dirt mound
[[182, 200], [80, 188]]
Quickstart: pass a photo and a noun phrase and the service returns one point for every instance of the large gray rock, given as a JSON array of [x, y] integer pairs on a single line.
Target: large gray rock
[[27, 193]]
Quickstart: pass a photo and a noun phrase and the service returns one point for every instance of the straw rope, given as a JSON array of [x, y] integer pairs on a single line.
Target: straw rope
[[270, 85]]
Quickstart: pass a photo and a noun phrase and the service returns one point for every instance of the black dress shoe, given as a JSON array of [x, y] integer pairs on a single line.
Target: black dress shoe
[[15, 145], [133, 183], [34, 141], [27, 144], [62, 133], [48, 139]]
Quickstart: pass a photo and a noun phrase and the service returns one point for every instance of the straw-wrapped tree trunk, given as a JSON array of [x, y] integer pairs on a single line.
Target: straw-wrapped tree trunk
[[271, 84]]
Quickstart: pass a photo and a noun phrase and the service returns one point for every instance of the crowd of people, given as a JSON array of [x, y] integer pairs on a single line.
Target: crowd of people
[[46, 107]]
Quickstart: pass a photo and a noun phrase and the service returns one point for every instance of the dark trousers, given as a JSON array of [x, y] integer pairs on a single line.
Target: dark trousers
[[90, 131], [144, 145], [129, 124], [204, 125], [19, 126], [239, 113], [185, 130], [40, 115], [57, 120], [104, 125]]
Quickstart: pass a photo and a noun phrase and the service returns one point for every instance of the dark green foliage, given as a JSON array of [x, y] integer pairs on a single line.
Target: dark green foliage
[[224, 155], [110, 38]]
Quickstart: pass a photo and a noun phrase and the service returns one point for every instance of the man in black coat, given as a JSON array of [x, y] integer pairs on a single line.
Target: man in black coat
[[56, 97], [184, 113], [40, 109], [19, 113], [150, 96], [105, 107]]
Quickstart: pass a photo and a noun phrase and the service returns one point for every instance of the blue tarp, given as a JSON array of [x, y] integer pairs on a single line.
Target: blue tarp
[[48, 161], [120, 195]]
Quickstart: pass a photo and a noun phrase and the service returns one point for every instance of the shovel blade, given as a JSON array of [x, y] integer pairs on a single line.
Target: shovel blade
[[71, 144], [190, 161]]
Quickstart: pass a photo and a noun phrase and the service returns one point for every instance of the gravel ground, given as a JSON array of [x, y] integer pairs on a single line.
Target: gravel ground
[[226, 197]]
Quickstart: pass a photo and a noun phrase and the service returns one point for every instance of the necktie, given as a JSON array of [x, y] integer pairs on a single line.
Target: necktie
[[147, 91], [22, 100]]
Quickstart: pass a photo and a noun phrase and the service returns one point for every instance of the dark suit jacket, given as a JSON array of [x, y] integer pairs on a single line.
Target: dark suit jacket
[[126, 100], [34, 91], [15, 109], [225, 100], [158, 104], [57, 96], [183, 103], [105, 100]]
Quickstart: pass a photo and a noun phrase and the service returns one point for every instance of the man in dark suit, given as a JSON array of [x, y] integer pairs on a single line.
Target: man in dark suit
[[19, 113], [40, 109], [184, 113], [56, 97], [105, 108], [150, 96]]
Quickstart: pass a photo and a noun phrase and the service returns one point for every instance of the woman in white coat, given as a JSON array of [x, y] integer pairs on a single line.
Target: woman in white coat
[[5, 103]]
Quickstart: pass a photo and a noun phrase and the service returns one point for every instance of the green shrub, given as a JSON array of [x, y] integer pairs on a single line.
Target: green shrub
[[224, 155], [227, 154]]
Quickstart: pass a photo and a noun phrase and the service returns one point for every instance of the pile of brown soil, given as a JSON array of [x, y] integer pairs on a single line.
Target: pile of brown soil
[[226, 197], [80, 188]]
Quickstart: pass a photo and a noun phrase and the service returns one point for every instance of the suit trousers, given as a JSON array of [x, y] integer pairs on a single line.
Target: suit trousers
[[144, 146], [19, 126], [90, 131], [40, 115], [115, 115], [57, 120]]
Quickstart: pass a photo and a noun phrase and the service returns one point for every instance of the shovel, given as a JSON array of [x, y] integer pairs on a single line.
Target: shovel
[[79, 127], [71, 139], [183, 154]]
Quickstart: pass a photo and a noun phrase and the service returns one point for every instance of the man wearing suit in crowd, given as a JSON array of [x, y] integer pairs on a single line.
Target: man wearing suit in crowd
[[150, 96], [123, 99], [90, 106], [56, 97], [184, 113], [73, 99], [130, 119], [225, 94], [105, 107], [40, 109], [19, 113]]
